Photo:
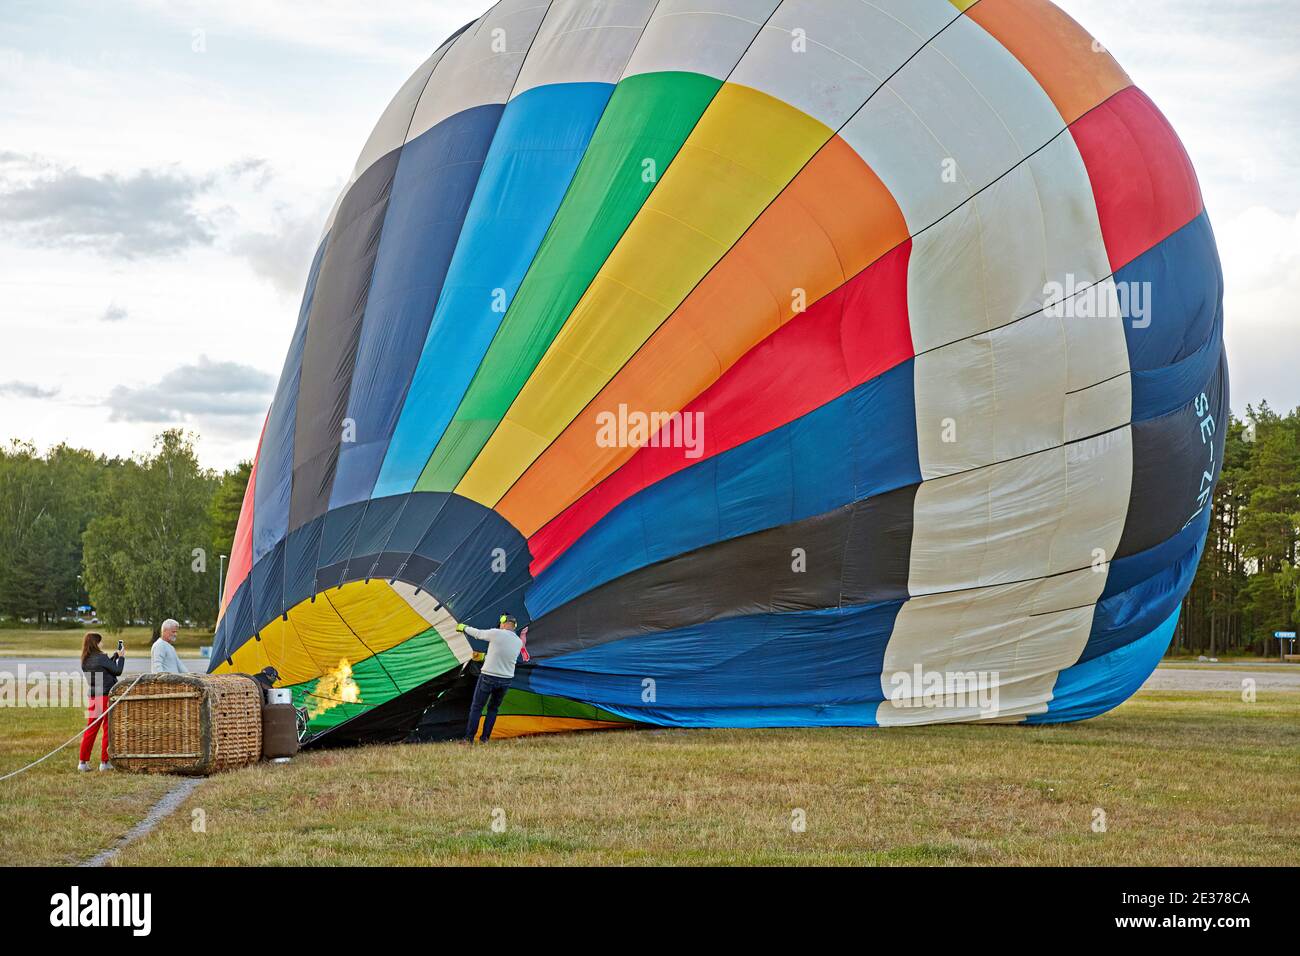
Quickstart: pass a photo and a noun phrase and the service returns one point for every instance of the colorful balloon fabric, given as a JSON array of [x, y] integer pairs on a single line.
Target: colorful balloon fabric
[[813, 362]]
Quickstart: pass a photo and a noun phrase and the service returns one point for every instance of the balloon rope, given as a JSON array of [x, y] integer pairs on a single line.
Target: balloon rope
[[77, 735]]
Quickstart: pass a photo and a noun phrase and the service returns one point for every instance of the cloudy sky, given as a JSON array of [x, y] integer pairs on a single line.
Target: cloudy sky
[[166, 167]]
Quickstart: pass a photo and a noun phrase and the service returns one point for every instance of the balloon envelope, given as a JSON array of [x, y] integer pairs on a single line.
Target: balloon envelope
[[777, 363]]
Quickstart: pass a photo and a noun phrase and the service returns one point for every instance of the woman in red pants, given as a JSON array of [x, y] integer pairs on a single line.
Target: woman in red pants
[[102, 673]]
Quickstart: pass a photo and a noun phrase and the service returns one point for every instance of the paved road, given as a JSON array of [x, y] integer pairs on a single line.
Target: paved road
[[135, 664], [1221, 678]]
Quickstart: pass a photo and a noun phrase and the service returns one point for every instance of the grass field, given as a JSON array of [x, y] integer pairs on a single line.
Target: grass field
[[1181, 778], [32, 642]]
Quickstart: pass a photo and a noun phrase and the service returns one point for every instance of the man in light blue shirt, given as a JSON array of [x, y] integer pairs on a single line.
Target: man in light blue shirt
[[163, 658], [503, 647]]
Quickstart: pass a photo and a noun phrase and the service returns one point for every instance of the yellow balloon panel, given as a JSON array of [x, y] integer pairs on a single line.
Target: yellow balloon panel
[[351, 623]]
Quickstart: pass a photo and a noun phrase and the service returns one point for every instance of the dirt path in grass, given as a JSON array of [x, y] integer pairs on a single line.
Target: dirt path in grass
[[164, 808]]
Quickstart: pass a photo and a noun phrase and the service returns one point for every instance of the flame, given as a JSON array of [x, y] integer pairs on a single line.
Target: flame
[[334, 688]]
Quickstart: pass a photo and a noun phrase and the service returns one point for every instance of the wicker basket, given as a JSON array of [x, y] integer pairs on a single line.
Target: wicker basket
[[185, 723]]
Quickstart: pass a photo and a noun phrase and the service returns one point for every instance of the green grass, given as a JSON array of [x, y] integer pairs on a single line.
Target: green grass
[[1183, 778], [52, 814], [33, 642]]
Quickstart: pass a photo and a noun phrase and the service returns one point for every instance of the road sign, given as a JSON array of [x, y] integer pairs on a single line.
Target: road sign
[[1284, 635]]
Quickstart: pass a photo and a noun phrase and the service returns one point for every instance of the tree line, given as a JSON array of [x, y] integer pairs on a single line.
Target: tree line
[[140, 539], [1246, 584]]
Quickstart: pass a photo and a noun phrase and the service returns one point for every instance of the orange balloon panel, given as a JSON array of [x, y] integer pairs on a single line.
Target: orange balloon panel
[[834, 220]]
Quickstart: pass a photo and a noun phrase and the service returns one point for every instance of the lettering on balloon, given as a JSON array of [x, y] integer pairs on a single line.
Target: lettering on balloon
[[1205, 426]]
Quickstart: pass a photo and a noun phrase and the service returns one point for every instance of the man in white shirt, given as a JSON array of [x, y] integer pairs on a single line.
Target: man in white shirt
[[163, 658], [503, 646]]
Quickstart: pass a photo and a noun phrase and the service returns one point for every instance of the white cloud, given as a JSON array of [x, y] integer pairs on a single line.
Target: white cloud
[[282, 254], [151, 212], [215, 395], [387, 30], [18, 389]]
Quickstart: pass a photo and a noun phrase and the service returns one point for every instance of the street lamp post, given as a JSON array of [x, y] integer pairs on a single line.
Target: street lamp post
[[221, 572]]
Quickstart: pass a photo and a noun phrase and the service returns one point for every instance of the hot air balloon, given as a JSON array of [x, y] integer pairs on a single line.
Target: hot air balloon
[[798, 363]]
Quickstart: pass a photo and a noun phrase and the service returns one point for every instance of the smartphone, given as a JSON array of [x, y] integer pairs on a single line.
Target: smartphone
[[121, 646]]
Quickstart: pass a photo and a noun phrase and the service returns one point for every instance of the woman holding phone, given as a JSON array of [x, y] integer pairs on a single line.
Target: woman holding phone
[[102, 673]]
